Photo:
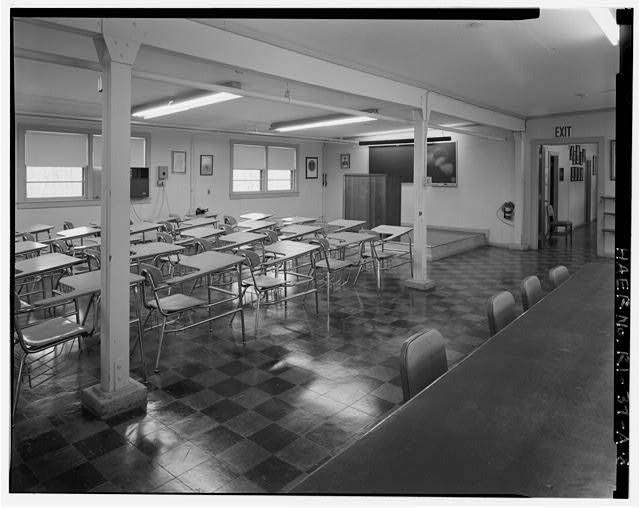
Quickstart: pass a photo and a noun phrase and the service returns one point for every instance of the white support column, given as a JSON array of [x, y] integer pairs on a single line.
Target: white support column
[[519, 190], [117, 392], [420, 279]]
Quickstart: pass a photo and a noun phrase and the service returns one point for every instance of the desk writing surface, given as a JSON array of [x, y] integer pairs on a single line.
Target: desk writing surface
[[201, 232], [210, 261], [393, 231], [38, 228], [528, 413], [345, 238], [241, 236], [142, 250], [92, 282], [45, 263], [28, 246], [300, 229], [197, 221], [142, 227], [254, 225], [290, 249], [297, 220], [346, 223], [255, 216], [78, 232]]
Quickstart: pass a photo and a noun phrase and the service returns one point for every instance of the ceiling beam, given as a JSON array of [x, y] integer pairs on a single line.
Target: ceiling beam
[[194, 39]]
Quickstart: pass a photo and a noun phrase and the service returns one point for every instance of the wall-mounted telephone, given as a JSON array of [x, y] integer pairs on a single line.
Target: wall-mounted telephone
[[163, 173], [507, 209]]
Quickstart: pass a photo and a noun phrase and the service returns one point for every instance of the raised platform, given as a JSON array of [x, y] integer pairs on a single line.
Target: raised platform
[[442, 243]]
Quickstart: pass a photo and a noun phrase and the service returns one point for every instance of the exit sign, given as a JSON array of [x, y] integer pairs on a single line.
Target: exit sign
[[563, 131]]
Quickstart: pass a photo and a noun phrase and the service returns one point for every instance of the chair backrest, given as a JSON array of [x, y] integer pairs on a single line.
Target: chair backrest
[[531, 291], [423, 359], [551, 216], [93, 259], [557, 275], [28, 237], [501, 310], [228, 219], [252, 258], [202, 244], [60, 246], [152, 274], [169, 227], [271, 236], [67, 224], [164, 237]]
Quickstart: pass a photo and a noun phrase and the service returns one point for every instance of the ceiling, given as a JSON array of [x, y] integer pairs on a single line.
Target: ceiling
[[561, 62]]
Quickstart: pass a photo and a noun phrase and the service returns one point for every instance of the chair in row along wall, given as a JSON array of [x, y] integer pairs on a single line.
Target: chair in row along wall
[[423, 359]]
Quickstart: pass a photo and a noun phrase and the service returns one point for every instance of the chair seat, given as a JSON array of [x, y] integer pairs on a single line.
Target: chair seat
[[177, 302], [264, 282], [334, 265], [51, 332]]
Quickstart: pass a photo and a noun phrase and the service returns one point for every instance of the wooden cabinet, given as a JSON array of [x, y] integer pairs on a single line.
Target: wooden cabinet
[[372, 198]]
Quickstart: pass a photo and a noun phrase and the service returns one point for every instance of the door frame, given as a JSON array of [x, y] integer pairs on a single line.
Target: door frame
[[534, 203]]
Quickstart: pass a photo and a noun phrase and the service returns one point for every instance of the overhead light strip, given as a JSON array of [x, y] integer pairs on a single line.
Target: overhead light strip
[[184, 105], [607, 23], [322, 123]]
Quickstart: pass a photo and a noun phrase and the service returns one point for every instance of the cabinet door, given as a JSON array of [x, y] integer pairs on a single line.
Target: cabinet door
[[356, 197], [378, 214]]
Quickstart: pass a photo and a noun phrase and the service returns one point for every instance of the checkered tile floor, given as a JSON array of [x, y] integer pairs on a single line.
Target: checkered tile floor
[[259, 417]]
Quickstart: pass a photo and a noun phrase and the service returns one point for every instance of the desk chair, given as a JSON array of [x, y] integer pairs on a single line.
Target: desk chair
[[423, 359], [172, 259], [264, 286], [557, 275], [330, 266], [531, 291], [67, 224], [230, 220], [501, 310], [169, 307], [558, 227], [43, 337]]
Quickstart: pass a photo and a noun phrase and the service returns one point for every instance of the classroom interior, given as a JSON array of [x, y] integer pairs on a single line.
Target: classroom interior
[[257, 404]]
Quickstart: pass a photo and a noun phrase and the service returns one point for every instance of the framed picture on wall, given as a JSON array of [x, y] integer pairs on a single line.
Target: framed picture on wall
[[178, 161], [206, 165], [442, 164], [561, 175], [345, 161], [613, 160], [311, 167]]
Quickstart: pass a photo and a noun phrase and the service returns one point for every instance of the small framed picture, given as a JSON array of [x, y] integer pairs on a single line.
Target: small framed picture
[[561, 175], [178, 161], [613, 160], [311, 167], [206, 165], [345, 161]]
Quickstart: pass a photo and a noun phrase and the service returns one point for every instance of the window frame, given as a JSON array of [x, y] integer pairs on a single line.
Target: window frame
[[90, 182], [264, 193]]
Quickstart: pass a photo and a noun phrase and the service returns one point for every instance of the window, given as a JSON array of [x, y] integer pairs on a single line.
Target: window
[[262, 169], [55, 165], [137, 159]]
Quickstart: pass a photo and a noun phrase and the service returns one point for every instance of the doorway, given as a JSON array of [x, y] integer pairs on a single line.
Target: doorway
[[567, 182]]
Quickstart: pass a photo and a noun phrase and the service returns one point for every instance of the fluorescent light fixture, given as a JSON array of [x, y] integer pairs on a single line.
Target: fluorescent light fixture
[[607, 23], [184, 105], [395, 132], [327, 122]]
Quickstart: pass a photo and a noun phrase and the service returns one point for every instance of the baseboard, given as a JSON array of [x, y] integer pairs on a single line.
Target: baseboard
[[510, 246]]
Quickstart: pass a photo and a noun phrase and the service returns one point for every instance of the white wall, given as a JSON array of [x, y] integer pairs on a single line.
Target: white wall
[[594, 126], [184, 192], [485, 181]]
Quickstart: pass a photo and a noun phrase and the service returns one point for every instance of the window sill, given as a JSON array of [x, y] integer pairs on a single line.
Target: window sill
[[263, 195], [58, 203]]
